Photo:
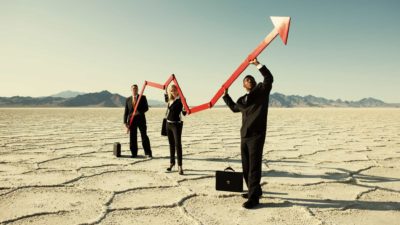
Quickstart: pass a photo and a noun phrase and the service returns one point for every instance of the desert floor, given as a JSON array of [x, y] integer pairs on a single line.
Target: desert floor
[[321, 166]]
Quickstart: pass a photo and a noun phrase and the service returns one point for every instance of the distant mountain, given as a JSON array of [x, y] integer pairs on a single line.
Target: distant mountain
[[18, 101], [107, 99], [281, 100], [67, 94], [99, 99]]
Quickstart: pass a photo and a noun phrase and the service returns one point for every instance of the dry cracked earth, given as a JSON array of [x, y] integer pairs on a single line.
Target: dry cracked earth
[[320, 166]]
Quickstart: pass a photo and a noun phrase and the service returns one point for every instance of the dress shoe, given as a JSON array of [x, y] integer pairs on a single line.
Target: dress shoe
[[180, 170], [134, 156], [246, 195], [251, 203], [170, 167]]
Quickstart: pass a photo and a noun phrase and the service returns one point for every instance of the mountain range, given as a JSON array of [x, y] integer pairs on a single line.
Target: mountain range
[[68, 94], [107, 99]]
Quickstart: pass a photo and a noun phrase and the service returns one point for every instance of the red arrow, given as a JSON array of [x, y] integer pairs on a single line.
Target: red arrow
[[281, 25]]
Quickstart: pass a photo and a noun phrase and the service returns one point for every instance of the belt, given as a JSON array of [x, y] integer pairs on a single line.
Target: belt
[[169, 121]]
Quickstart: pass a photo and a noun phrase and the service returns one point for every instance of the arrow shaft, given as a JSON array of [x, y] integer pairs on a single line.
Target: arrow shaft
[[155, 85], [169, 81], [242, 67], [200, 108], [267, 40]]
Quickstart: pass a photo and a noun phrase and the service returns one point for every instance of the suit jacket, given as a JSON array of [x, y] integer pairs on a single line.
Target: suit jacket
[[174, 110], [253, 106], [142, 108]]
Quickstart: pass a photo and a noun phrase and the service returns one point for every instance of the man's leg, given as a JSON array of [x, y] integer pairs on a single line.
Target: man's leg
[[245, 160], [256, 146], [145, 139], [133, 140]]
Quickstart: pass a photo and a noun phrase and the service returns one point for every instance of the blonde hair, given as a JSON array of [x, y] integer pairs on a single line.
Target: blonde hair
[[170, 96]]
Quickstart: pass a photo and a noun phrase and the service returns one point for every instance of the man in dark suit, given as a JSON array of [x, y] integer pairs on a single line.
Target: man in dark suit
[[254, 109], [139, 121]]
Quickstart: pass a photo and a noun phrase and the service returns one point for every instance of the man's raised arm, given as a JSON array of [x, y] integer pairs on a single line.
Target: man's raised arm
[[268, 78], [229, 102]]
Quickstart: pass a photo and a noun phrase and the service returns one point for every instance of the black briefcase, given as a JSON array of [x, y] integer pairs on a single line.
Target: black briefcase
[[229, 180], [164, 127], [117, 149]]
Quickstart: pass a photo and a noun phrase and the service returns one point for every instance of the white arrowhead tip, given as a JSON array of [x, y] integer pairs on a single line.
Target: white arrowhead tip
[[282, 24]]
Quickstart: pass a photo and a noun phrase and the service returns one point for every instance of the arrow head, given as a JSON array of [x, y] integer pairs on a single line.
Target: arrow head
[[282, 25]]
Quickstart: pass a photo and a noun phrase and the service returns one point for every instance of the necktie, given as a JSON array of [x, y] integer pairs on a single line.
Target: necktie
[[134, 101]]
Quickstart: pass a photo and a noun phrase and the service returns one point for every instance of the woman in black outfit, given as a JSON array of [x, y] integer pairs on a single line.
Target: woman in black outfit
[[174, 126]]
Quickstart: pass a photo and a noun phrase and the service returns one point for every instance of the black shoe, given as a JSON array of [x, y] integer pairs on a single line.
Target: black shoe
[[170, 167], [251, 203], [134, 156], [246, 195], [180, 170]]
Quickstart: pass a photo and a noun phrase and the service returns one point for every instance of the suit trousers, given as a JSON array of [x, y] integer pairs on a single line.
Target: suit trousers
[[252, 152], [145, 139], [174, 133]]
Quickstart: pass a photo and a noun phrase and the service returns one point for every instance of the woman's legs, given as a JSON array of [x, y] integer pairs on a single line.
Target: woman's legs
[[171, 140], [178, 142], [174, 132]]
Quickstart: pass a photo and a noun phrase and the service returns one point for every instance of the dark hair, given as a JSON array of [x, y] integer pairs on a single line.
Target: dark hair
[[251, 78], [134, 85]]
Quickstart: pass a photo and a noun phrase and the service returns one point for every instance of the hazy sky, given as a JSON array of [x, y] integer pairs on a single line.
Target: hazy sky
[[346, 49]]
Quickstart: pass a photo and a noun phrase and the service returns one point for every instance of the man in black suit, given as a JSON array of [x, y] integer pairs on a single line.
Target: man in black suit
[[139, 121], [254, 109]]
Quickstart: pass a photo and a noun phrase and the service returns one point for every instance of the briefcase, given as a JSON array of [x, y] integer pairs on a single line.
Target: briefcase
[[117, 149], [164, 127], [229, 180]]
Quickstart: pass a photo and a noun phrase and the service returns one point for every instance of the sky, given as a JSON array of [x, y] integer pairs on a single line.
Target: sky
[[347, 49]]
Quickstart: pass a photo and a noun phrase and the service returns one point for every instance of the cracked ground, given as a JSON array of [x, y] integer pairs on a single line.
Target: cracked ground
[[320, 166]]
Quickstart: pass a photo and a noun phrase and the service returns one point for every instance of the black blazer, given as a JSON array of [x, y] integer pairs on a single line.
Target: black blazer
[[142, 108], [254, 108], [174, 110]]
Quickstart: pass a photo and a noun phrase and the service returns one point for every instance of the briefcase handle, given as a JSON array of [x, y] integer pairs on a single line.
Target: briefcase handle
[[229, 168]]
